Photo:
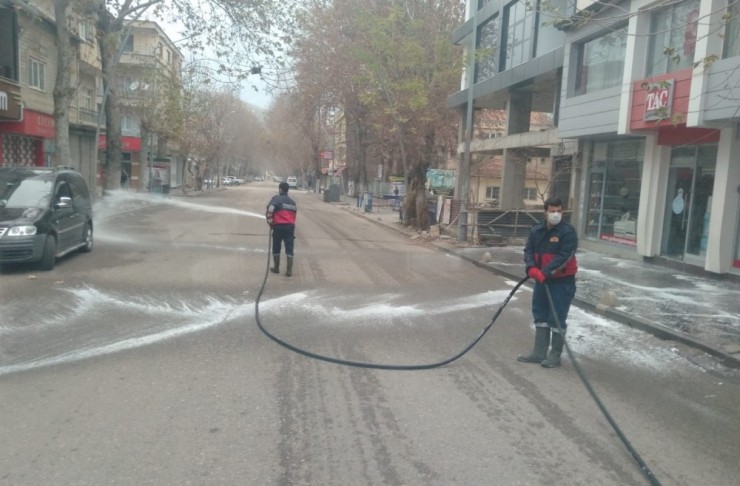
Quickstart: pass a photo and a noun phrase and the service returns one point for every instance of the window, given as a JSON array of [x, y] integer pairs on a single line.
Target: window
[[492, 192], [732, 31], [128, 43], [614, 192], [86, 99], [483, 3], [169, 57], [486, 50], [9, 43], [601, 62], [531, 193], [36, 74], [86, 30], [673, 38], [519, 23]]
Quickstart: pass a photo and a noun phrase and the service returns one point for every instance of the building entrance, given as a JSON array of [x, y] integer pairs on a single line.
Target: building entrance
[[688, 204]]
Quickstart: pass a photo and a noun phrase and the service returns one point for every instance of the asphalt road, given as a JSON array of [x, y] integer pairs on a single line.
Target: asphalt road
[[141, 363]]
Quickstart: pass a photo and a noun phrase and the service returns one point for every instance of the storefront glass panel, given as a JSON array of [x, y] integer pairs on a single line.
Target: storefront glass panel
[[736, 260], [614, 193], [689, 201]]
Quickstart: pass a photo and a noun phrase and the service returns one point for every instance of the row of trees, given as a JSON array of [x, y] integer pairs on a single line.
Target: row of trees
[[234, 36], [387, 68]]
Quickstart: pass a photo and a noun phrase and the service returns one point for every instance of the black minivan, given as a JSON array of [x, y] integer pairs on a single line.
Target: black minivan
[[45, 213]]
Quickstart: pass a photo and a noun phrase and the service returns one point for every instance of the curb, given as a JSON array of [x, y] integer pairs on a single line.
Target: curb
[[657, 330]]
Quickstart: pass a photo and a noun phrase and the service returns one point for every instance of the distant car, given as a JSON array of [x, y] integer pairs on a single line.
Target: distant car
[[45, 213], [239, 181], [277, 179], [292, 182]]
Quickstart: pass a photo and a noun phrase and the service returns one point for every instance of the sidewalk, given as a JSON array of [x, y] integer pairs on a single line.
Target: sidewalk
[[701, 312]]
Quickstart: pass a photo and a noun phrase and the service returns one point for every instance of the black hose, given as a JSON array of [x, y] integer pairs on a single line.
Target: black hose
[[644, 469], [360, 364]]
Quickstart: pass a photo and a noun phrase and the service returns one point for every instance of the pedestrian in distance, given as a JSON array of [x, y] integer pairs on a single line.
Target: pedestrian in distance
[[550, 258], [281, 215]]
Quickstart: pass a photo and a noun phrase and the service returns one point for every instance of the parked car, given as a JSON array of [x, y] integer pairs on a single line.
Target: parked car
[[239, 181], [225, 181], [292, 182], [45, 213]]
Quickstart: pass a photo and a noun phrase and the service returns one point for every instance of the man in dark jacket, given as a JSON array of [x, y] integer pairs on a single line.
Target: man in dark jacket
[[281, 216], [550, 257]]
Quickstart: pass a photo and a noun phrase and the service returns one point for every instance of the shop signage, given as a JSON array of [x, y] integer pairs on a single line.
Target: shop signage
[[658, 100], [128, 144], [10, 106], [34, 124]]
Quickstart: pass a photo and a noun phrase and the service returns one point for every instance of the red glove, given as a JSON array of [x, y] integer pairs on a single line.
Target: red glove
[[536, 274]]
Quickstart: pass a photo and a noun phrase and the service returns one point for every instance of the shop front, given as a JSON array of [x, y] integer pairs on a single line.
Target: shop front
[[688, 203], [28, 141], [613, 191], [685, 167]]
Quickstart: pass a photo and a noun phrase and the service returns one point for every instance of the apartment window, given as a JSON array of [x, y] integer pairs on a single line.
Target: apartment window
[[483, 3], [732, 31], [531, 193], [86, 30], [486, 50], [36, 74], [601, 62], [519, 23], [86, 99], [169, 57], [492, 192], [128, 43], [673, 38], [9, 43]]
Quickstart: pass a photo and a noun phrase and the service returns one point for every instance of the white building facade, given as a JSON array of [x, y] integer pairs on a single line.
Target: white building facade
[[652, 92]]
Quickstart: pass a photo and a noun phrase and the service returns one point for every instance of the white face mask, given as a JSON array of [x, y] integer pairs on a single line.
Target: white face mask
[[554, 218]]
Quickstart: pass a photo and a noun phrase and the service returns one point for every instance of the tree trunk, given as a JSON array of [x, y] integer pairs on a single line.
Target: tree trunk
[[110, 38], [62, 88]]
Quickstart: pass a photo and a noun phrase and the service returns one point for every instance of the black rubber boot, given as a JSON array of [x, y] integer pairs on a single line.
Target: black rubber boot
[[541, 343], [276, 268], [553, 359], [289, 271]]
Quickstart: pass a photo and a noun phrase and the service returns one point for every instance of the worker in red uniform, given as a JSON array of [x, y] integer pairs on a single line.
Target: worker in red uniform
[[550, 257], [281, 215]]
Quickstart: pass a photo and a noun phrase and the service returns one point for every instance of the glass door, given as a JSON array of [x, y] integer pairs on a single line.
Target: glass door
[[688, 202]]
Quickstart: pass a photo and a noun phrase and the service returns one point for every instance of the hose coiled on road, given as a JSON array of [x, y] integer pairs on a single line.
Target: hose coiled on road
[[644, 469]]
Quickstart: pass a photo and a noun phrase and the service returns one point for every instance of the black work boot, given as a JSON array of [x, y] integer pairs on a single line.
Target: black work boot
[[541, 343], [289, 271], [553, 359], [276, 268]]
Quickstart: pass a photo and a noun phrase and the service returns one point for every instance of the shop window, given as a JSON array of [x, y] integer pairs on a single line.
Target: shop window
[[614, 192], [673, 38], [36, 74], [492, 192], [732, 31], [519, 23], [601, 62], [487, 49]]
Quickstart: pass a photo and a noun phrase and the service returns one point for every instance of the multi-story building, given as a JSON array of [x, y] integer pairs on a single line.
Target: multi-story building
[[515, 59], [27, 75], [652, 91], [148, 70]]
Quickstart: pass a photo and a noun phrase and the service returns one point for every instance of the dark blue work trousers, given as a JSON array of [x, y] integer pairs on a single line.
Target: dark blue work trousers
[[562, 293], [283, 233]]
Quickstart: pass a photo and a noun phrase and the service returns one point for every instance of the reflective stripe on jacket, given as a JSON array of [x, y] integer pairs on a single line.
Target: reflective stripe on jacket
[[282, 210]]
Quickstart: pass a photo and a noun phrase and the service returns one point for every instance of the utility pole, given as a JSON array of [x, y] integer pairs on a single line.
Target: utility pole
[[464, 173]]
